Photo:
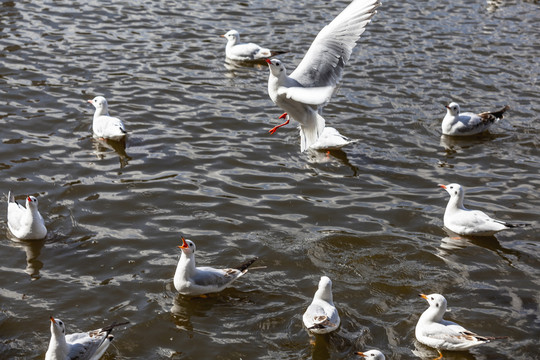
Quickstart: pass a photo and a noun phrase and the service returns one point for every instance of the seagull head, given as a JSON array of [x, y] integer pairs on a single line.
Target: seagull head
[[276, 67], [57, 327], [100, 103], [31, 201], [232, 36], [452, 109], [188, 246], [437, 303], [372, 354], [324, 291], [455, 190]]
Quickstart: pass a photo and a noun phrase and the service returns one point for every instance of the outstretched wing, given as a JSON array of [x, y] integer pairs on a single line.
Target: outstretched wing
[[324, 61]]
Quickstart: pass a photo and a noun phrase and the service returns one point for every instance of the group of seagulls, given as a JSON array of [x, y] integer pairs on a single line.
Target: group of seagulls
[[302, 96]]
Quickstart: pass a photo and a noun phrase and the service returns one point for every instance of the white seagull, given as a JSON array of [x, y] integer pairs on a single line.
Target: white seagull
[[25, 223], [463, 221], [237, 51], [304, 93], [104, 125], [321, 316], [467, 123], [371, 354], [192, 280], [432, 330], [90, 345]]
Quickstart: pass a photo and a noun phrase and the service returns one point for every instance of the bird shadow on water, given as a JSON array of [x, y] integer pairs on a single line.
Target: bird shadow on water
[[104, 146]]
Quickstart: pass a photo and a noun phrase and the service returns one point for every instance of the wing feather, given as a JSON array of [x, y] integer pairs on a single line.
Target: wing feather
[[324, 61]]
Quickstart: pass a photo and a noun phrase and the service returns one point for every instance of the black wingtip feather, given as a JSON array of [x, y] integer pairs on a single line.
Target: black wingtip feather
[[246, 264]]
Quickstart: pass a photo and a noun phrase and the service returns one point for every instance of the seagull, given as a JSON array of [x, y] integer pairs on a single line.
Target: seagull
[[463, 221], [90, 345], [321, 316], [304, 93], [432, 330], [195, 281], [104, 125], [467, 123], [372, 354], [237, 51], [25, 223]]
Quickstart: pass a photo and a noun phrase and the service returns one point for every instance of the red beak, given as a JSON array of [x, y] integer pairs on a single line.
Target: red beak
[[184, 244], [443, 186], [52, 319], [268, 61]]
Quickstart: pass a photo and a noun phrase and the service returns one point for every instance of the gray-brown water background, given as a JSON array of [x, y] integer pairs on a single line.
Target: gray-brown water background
[[200, 163]]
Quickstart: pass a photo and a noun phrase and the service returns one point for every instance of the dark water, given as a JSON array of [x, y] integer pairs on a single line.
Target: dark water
[[200, 163]]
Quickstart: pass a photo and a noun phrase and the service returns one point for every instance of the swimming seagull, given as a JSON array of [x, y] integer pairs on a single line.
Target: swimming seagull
[[463, 221], [304, 93], [321, 316], [90, 345], [467, 123], [372, 354], [237, 51], [195, 281], [432, 330], [25, 223], [104, 125]]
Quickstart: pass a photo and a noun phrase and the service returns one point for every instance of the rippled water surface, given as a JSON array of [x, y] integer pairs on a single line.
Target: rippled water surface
[[199, 162]]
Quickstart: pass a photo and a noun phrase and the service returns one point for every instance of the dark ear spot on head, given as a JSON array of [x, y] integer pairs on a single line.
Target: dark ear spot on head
[[455, 192]]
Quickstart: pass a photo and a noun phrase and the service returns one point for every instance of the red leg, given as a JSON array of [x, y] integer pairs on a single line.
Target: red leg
[[274, 129]]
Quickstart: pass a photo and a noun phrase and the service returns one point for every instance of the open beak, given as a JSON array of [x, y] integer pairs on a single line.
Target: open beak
[[184, 244], [423, 296], [443, 186]]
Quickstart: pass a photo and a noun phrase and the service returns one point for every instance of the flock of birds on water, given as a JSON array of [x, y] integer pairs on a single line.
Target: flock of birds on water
[[301, 96]]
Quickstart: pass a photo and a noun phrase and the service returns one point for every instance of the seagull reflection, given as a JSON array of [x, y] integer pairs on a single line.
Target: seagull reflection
[[331, 156], [234, 67], [450, 143], [424, 352], [102, 146], [32, 249], [182, 314]]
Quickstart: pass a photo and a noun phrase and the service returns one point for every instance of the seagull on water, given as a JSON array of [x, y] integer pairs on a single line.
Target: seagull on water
[[104, 125], [237, 51], [432, 330], [90, 345], [192, 280], [463, 221], [304, 93], [371, 354], [321, 316], [467, 123], [25, 223]]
